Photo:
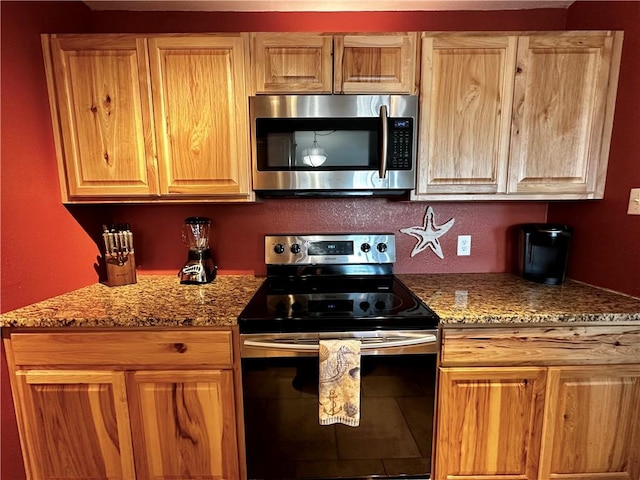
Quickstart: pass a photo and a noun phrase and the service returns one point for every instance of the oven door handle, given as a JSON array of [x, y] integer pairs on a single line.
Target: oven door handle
[[369, 343]]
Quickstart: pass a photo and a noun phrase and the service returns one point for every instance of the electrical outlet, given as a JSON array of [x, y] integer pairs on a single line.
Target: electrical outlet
[[634, 202], [464, 245]]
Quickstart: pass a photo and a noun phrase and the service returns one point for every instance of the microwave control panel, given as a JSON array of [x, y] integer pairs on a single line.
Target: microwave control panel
[[400, 143]]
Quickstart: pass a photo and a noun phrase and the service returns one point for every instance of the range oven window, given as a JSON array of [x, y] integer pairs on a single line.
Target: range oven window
[[345, 143], [285, 440]]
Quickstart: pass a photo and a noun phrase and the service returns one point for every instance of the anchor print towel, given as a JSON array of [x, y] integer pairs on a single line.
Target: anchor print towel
[[339, 387]]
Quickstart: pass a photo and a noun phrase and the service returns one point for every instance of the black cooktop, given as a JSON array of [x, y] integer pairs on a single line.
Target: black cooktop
[[334, 303]]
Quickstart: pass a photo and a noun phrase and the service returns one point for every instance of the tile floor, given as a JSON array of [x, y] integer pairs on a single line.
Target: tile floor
[[285, 441]]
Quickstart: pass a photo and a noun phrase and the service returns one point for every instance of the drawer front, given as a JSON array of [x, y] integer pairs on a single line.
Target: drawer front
[[577, 345], [132, 348]]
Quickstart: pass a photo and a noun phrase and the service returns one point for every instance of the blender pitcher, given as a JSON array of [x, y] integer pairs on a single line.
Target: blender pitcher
[[200, 267]]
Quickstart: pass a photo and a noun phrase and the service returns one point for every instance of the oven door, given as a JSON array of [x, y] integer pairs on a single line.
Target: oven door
[[284, 439]]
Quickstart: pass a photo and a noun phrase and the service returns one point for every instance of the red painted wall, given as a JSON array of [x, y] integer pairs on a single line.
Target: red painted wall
[[44, 250], [605, 249], [237, 235], [541, 19], [64, 241]]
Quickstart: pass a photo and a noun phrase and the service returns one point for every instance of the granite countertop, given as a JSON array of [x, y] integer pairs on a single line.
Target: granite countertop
[[497, 298], [482, 298], [155, 301]]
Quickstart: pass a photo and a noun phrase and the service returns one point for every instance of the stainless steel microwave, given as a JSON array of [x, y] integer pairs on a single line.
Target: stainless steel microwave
[[333, 145]]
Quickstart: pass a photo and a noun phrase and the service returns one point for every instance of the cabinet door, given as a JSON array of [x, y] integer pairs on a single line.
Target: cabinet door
[[201, 112], [76, 424], [592, 419], [292, 63], [489, 422], [375, 63], [183, 424], [466, 93], [104, 115], [558, 142]]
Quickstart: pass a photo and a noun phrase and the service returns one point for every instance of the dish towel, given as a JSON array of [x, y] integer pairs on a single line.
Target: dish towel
[[339, 382]]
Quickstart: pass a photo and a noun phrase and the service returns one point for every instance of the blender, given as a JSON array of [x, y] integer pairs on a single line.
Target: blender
[[199, 267]]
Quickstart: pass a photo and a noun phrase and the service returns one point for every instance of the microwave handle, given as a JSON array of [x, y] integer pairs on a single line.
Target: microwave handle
[[382, 172]]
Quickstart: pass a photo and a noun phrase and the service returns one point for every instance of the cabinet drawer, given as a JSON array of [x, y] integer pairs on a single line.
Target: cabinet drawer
[[131, 348], [541, 345]]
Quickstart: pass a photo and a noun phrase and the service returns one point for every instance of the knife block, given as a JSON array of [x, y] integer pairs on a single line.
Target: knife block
[[120, 270]]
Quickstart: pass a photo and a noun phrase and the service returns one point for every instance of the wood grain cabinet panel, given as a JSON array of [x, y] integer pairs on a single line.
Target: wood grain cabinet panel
[[592, 424], [466, 93], [104, 115], [184, 428], [292, 62], [285, 63], [572, 414], [201, 115], [127, 349], [489, 421], [560, 105], [126, 405], [375, 63], [516, 116], [76, 425], [541, 346], [161, 118]]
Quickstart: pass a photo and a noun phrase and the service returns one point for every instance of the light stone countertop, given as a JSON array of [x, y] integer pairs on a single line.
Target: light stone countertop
[[482, 298], [155, 301], [503, 298]]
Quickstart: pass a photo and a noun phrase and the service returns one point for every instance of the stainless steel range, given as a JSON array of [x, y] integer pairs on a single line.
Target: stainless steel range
[[339, 286]]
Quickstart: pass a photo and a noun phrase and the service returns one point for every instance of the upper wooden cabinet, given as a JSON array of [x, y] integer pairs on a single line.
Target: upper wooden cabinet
[[288, 62], [334, 63], [201, 115], [563, 94], [539, 403], [525, 116], [467, 84], [99, 95], [150, 118]]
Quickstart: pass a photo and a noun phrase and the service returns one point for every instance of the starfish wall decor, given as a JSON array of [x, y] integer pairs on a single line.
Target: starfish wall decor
[[428, 234]]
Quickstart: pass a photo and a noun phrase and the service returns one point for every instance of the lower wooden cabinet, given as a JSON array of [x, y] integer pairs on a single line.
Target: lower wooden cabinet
[[128, 415], [185, 428], [75, 424], [489, 422], [592, 427], [563, 404]]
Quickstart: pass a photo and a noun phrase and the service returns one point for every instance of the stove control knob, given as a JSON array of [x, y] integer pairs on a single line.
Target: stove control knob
[[295, 248], [382, 247], [365, 247], [278, 248], [364, 306], [380, 305]]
